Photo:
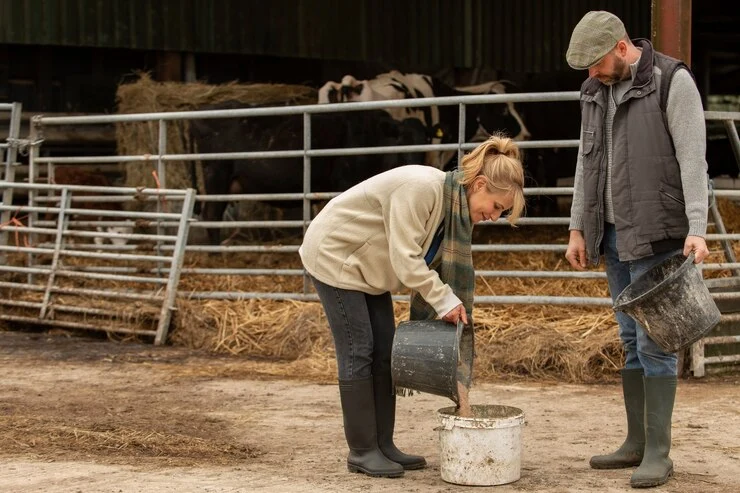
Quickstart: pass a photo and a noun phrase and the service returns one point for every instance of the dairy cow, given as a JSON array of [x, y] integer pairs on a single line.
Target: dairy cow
[[285, 175], [442, 121]]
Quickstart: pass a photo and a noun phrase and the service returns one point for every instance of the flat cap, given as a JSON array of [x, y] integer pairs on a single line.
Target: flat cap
[[593, 37]]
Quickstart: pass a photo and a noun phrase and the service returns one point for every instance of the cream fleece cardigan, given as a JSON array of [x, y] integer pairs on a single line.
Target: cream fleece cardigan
[[373, 237]]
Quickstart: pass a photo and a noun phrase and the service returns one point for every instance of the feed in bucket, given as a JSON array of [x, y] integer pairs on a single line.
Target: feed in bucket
[[483, 449], [672, 302]]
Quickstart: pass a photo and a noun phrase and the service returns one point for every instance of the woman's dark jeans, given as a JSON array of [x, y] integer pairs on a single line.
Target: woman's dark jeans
[[362, 326]]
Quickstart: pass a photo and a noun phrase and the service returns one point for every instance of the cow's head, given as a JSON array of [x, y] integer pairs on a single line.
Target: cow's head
[[502, 118]]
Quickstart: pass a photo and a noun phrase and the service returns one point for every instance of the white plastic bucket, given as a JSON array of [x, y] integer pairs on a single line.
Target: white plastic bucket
[[482, 450]]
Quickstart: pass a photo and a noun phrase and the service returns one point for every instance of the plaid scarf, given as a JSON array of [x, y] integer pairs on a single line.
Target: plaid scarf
[[455, 267]]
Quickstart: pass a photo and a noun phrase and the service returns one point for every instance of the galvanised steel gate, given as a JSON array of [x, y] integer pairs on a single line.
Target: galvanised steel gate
[[163, 119], [71, 266]]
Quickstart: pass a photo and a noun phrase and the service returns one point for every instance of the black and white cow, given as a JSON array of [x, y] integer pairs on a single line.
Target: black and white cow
[[481, 120], [285, 175]]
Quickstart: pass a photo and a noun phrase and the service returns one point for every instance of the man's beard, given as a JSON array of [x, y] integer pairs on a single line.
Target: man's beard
[[619, 73]]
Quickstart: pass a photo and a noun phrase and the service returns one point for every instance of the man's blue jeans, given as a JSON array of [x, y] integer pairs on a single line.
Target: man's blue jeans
[[640, 350], [363, 326]]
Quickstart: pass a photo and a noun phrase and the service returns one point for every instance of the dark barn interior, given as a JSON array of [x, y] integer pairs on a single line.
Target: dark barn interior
[[69, 57]]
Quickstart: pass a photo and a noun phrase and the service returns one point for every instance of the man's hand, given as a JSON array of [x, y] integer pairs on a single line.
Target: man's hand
[[576, 252], [698, 245], [457, 313]]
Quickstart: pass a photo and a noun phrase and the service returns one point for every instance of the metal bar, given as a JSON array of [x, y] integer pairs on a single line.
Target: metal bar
[[61, 225], [91, 234], [110, 277], [719, 225], [168, 305], [90, 212], [734, 358], [722, 115], [70, 309], [306, 184], [697, 358], [734, 140], [161, 181], [347, 151], [33, 216], [79, 274], [541, 274], [726, 296], [519, 248], [162, 147], [149, 296], [722, 266], [87, 188], [9, 174], [722, 340], [243, 295], [79, 253], [543, 300], [314, 108], [74, 325], [89, 223], [723, 282], [110, 199], [331, 195], [460, 133]]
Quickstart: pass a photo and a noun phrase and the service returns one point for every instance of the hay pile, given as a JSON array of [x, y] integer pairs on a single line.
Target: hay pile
[[562, 343], [730, 212], [147, 96]]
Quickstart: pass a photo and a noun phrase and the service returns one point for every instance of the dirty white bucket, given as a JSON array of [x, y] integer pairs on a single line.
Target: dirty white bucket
[[482, 450]]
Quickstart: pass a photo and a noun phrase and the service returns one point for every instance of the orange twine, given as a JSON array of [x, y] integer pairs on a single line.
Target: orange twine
[[17, 222], [162, 198]]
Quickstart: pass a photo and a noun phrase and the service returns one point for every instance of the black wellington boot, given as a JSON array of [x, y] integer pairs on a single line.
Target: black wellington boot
[[358, 409], [385, 415], [656, 466], [631, 452]]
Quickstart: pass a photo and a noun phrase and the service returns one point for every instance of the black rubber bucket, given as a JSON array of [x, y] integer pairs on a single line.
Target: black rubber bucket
[[432, 356], [672, 303]]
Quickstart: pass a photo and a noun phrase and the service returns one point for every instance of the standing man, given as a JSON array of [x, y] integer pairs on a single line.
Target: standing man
[[640, 196]]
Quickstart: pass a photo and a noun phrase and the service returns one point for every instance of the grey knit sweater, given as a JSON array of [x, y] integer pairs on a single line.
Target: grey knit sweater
[[685, 116]]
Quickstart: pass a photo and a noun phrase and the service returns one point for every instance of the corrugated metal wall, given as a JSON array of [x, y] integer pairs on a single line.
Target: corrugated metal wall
[[518, 35]]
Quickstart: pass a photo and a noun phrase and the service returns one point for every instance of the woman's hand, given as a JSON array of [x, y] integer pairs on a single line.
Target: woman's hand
[[456, 314]]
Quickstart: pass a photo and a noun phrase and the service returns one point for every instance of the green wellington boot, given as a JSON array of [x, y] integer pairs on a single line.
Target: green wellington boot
[[656, 466], [358, 409], [631, 451], [385, 415]]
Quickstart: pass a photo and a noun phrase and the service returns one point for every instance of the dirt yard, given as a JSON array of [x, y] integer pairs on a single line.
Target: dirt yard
[[87, 415]]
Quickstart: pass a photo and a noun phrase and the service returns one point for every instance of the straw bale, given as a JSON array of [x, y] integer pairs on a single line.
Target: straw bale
[[292, 338], [574, 345], [147, 96], [730, 212]]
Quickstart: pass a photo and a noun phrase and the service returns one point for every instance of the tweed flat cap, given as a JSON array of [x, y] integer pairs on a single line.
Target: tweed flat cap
[[593, 37]]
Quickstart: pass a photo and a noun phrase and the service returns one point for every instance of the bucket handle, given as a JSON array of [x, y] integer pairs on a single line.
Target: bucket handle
[[621, 307], [460, 327]]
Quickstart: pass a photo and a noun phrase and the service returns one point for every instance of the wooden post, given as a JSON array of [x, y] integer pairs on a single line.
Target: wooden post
[[169, 66], [671, 28]]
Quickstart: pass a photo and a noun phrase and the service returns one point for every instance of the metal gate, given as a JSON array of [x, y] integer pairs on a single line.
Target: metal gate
[[68, 264], [160, 121]]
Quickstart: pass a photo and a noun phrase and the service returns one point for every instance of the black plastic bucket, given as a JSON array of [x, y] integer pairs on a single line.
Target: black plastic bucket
[[432, 356], [672, 303]]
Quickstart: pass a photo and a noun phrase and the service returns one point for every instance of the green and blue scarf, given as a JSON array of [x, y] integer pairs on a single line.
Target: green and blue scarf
[[455, 265]]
